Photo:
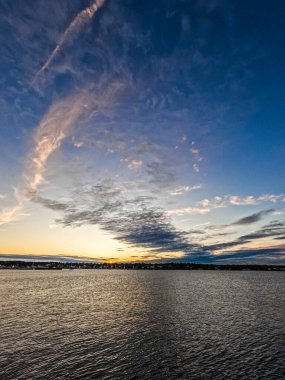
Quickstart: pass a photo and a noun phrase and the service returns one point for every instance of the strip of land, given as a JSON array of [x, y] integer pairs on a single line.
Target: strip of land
[[56, 265]]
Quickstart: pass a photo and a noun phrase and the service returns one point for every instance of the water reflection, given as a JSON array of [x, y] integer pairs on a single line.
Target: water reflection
[[141, 325]]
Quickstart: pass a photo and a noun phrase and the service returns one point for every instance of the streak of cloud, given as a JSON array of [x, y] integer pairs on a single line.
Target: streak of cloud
[[56, 125], [252, 218], [75, 26], [272, 255], [53, 258], [207, 205], [185, 189], [9, 214], [272, 230]]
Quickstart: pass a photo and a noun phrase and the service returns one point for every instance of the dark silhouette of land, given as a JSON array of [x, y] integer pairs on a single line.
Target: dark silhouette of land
[[57, 265]]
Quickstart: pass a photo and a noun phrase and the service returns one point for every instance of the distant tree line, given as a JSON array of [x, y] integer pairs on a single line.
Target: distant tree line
[[58, 265]]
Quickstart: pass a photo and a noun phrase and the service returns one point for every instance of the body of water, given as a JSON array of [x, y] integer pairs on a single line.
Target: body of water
[[112, 324]]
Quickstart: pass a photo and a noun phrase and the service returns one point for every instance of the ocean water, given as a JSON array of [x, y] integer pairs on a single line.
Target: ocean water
[[112, 324]]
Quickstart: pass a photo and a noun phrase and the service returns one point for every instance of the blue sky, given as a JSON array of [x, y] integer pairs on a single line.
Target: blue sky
[[138, 131]]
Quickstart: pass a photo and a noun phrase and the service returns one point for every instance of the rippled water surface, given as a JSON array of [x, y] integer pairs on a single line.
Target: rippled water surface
[[112, 324]]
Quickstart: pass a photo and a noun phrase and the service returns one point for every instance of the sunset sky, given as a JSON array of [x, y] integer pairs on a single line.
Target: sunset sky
[[142, 130]]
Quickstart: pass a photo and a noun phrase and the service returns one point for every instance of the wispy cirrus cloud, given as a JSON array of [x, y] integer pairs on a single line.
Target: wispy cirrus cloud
[[57, 124], [207, 205], [79, 21], [48, 137], [184, 189]]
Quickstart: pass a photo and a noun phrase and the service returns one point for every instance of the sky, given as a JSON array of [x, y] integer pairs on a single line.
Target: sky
[[142, 131]]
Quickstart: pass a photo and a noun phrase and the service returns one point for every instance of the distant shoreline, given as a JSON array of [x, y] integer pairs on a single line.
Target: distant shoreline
[[50, 265]]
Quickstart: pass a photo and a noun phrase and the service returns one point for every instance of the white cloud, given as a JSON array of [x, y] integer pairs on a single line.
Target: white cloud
[[188, 210], [135, 164], [184, 189], [79, 144], [196, 168], [272, 198], [52, 226], [236, 200], [197, 157], [206, 205], [132, 164]]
